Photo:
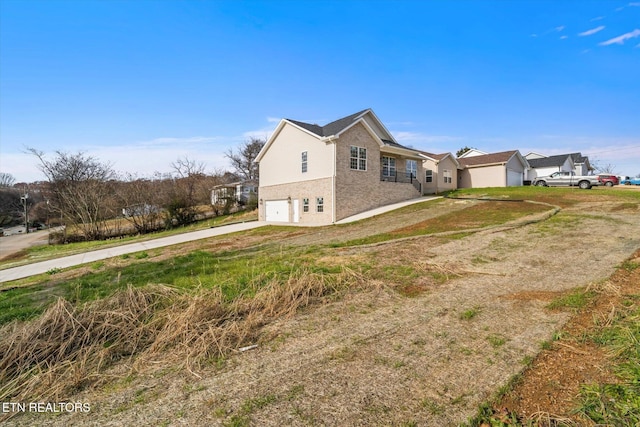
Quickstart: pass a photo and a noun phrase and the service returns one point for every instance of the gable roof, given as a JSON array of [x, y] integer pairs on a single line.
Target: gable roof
[[550, 161], [439, 157], [472, 152], [579, 158], [489, 159], [332, 128]]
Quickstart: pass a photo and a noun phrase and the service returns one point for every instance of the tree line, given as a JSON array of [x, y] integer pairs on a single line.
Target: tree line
[[94, 202]]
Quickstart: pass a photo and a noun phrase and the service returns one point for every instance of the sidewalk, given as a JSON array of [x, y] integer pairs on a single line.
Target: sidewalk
[[384, 209], [72, 260]]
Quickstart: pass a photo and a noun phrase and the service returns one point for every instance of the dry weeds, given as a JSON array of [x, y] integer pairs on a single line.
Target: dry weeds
[[69, 348]]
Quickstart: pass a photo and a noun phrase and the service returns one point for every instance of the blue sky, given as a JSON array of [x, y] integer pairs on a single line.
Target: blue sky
[[143, 83]]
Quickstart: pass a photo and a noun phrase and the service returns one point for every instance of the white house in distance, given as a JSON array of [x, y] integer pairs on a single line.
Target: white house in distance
[[541, 165], [546, 165]]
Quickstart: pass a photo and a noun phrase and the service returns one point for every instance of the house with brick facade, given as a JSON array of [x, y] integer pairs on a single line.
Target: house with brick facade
[[317, 175]]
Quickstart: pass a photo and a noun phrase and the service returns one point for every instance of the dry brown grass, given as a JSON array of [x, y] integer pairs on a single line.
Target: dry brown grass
[[70, 347]]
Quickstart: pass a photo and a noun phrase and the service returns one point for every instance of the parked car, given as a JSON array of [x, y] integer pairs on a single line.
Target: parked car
[[630, 181], [608, 179], [567, 179]]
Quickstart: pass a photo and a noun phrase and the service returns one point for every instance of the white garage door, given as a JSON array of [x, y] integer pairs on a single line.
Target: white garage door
[[514, 178], [277, 211]]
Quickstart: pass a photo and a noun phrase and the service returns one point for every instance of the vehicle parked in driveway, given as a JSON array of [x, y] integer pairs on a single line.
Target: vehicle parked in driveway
[[630, 181], [608, 179], [567, 179]]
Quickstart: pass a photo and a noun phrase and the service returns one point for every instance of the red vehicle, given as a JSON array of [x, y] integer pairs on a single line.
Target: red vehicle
[[608, 180]]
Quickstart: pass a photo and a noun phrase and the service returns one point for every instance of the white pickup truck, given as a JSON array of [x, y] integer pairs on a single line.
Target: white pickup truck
[[567, 179]]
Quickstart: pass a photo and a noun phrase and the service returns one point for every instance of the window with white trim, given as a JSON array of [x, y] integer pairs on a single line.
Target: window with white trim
[[447, 176], [388, 166], [304, 161], [412, 168], [428, 175], [358, 158], [319, 204], [305, 205]]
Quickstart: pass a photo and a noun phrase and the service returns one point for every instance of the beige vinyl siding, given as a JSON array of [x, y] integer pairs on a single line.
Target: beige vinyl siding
[[282, 163], [482, 177]]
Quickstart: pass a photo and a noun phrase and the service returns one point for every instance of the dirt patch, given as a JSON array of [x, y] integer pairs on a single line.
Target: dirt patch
[[552, 383]]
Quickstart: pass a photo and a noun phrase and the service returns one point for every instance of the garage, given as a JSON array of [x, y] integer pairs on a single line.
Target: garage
[[277, 211], [514, 178]]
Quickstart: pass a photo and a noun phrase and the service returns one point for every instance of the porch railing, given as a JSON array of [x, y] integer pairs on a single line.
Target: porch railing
[[395, 176], [403, 177]]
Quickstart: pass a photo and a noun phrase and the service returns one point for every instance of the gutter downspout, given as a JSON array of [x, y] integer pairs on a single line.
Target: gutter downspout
[[438, 177], [332, 140]]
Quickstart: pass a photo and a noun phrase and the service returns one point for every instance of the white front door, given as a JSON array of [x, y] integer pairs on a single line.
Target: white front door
[[296, 210]]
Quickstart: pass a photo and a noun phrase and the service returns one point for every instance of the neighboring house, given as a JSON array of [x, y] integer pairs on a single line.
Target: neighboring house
[[472, 152], [504, 169], [316, 175], [140, 209], [234, 194], [581, 164], [543, 166], [441, 172]]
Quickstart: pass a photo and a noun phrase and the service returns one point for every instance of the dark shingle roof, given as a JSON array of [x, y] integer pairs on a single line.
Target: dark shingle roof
[[487, 159], [330, 128], [578, 157], [339, 125], [550, 161]]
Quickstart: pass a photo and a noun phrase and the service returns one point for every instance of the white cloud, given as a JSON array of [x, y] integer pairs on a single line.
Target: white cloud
[[597, 18], [560, 28], [564, 37], [636, 4], [591, 31], [273, 120], [622, 38]]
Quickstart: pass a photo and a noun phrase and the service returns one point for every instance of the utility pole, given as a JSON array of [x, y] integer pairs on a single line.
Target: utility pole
[[24, 199]]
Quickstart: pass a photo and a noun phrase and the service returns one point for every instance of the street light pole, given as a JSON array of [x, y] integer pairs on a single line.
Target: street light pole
[[26, 214]]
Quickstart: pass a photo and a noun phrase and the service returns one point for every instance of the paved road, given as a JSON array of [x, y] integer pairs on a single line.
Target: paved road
[[11, 244], [73, 260]]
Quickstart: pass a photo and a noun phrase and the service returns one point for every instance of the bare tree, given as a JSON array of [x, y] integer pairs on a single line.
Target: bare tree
[[140, 199], [6, 179], [181, 191], [244, 160], [81, 189], [606, 168]]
